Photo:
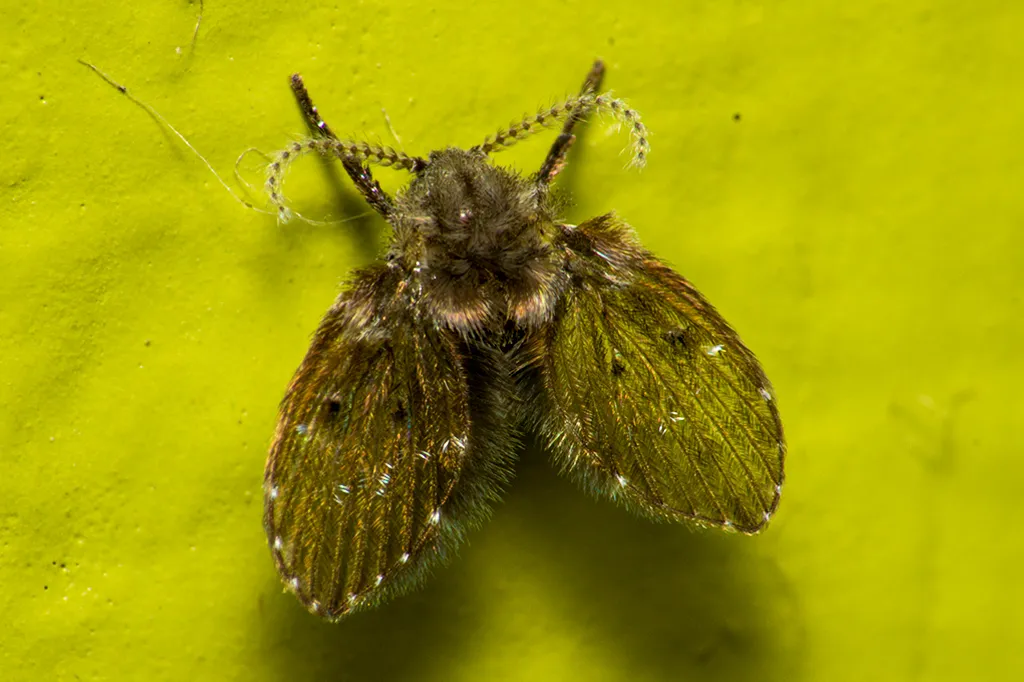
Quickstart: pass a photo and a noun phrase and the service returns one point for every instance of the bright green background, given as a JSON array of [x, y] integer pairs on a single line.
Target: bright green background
[[861, 224]]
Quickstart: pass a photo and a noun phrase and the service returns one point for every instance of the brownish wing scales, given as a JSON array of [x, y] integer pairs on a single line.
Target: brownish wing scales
[[378, 466], [647, 394]]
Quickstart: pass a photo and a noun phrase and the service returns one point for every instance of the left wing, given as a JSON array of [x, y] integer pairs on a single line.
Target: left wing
[[388, 448]]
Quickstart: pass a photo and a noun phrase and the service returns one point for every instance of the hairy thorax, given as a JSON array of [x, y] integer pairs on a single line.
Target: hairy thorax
[[475, 240]]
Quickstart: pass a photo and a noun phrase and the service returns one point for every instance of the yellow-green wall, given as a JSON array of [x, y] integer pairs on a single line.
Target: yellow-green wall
[[861, 224]]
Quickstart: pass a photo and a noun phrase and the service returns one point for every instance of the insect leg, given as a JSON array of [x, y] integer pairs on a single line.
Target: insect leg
[[556, 155], [376, 197]]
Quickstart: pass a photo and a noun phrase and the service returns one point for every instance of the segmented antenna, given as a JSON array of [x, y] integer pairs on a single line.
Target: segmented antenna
[[328, 146], [361, 152], [580, 104]]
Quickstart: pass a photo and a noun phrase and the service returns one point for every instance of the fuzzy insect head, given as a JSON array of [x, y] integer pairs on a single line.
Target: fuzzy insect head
[[478, 237]]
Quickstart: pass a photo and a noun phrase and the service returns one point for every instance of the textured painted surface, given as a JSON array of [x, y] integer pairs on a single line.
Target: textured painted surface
[[842, 180]]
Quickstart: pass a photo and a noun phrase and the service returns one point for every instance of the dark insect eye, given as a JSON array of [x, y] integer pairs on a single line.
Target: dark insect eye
[[333, 405], [399, 414]]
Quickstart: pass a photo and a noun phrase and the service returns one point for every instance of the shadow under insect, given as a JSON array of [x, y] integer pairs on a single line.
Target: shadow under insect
[[661, 602], [671, 603]]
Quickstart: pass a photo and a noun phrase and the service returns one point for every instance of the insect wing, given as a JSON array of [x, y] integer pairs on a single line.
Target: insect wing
[[650, 397], [370, 445]]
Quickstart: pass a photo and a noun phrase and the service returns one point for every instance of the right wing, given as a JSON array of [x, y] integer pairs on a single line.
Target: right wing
[[648, 396]]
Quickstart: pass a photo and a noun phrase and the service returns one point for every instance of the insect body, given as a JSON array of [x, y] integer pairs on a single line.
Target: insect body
[[487, 318]]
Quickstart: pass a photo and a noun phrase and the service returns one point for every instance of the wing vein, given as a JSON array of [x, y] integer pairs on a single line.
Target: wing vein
[[652, 372]]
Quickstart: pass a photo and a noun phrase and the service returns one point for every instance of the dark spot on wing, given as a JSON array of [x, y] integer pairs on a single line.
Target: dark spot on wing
[[677, 339], [400, 413]]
